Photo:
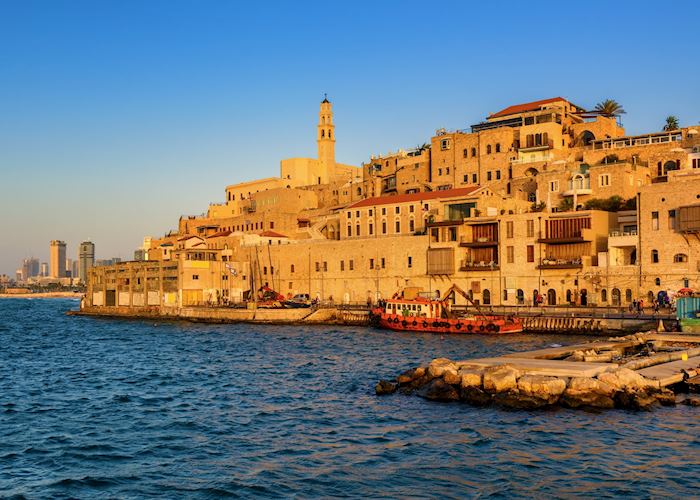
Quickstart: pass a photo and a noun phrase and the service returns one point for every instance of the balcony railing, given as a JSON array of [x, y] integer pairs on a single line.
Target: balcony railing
[[548, 144], [614, 234], [560, 264], [478, 242], [468, 265], [520, 161], [626, 142]]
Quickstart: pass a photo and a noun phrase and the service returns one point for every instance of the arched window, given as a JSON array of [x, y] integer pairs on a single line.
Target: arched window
[[680, 257], [520, 296], [473, 152], [323, 133], [657, 281], [616, 296], [551, 297], [486, 296], [498, 147], [654, 256], [603, 295], [568, 296], [488, 149], [329, 134], [323, 120], [291, 268], [464, 153], [628, 295]]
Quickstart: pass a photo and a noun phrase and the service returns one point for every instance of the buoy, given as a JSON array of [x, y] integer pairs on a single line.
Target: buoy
[[660, 328]]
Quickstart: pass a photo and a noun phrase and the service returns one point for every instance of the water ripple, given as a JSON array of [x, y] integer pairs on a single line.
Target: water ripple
[[97, 408]]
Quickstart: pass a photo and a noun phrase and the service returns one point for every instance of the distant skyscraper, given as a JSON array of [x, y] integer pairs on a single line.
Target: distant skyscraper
[[58, 259], [69, 268], [44, 272], [30, 268], [86, 259]]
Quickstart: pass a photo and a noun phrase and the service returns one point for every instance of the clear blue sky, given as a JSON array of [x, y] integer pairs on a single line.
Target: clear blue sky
[[116, 117]]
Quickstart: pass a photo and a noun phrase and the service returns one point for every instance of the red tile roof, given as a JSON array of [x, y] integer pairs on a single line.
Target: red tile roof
[[407, 198], [523, 108], [220, 234], [272, 234], [188, 237]]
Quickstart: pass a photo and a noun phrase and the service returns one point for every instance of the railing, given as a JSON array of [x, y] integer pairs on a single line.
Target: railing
[[614, 234], [520, 161], [466, 265], [560, 264], [568, 310], [549, 144], [627, 142]]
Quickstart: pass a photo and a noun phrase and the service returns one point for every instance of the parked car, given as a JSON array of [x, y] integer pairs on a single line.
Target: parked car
[[299, 300]]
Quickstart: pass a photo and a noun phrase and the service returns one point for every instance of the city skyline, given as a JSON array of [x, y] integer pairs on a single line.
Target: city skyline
[[123, 115]]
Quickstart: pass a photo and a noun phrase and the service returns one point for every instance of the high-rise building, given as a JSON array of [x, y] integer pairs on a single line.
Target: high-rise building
[[69, 268], [44, 270], [58, 259], [86, 259], [30, 268]]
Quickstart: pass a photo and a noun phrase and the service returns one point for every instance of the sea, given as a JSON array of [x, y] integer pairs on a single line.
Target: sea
[[106, 408]]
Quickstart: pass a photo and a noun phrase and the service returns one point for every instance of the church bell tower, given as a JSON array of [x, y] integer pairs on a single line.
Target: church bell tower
[[326, 138]]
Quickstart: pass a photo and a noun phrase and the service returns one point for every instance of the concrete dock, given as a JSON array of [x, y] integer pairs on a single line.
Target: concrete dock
[[636, 371]]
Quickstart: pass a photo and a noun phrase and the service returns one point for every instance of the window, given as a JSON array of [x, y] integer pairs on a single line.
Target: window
[[325, 266], [604, 295], [411, 208], [672, 219], [488, 175], [474, 178], [410, 261], [657, 281], [383, 263], [272, 224], [291, 268], [397, 210], [264, 269], [447, 171], [696, 162], [498, 147], [464, 153], [680, 257], [357, 213], [452, 234], [445, 144], [351, 264], [654, 256], [318, 266], [195, 276], [473, 152], [370, 212], [509, 229], [398, 226], [466, 178], [371, 263], [342, 265], [498, 174], [439, 171], [371, 229], [530, 229], [510, 255], [655, 221], [488, 149], [554, 186], [357, 230], [531, 253], [349, 231], [411, 225], [604, 180], [384, 211]]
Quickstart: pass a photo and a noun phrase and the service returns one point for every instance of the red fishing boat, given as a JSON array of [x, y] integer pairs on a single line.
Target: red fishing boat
[[422, 314]]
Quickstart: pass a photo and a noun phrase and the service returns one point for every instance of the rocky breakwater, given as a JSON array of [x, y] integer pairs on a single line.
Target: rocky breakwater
[[504, 385]]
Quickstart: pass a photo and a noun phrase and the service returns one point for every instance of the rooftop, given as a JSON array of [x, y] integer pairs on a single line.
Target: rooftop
[[407, 198], [523, 108], [272, 234]]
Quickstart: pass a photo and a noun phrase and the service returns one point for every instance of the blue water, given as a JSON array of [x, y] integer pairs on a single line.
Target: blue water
[[130, 409]]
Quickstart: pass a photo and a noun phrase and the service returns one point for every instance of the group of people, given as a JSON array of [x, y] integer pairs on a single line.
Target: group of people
[[662, 301]]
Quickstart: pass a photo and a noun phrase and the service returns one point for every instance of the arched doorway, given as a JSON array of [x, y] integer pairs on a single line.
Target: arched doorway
[[520, 296], [535, 296], [650, 296], [616, 297], [670, 165], [628, 295], [486, 297], [585, 138], [584, 297], [633, 257], [569, 297], [603, 295], [551, 297]]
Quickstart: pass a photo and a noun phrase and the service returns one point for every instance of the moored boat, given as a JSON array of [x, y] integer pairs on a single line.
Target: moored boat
[[423, 314]]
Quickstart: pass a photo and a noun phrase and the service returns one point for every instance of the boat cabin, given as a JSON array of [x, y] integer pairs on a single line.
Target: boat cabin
[[414, 308]]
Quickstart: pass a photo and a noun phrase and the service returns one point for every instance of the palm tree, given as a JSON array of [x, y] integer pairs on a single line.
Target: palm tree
[[671, 123], [609, 107]]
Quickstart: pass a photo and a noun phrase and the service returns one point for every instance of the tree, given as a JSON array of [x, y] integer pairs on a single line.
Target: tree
[[671, 123], [609, 107]]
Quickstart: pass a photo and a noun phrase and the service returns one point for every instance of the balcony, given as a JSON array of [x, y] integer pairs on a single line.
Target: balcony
[[548, 144], [560, 264], [640, 140], [482, 242], [561, 240], [622, 239], [467, 265], [578, 186], [533, 158]]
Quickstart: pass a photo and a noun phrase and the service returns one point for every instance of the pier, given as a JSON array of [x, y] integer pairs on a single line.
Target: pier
[[635, 371]]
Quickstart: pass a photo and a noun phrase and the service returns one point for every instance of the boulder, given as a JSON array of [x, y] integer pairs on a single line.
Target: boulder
[[471, 377], [547, 389], [385, 387], [576, 356], [623, 379], [691, 401], [636, 400], [587, 391], [501, 378], [437, 367], [439, 390], [410, 375], [475, 396], [451, 376]]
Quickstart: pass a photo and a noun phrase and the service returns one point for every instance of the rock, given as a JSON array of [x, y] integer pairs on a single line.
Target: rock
[[410, 375], [385, 387], [587, 391], [451, 377], [501, 378], [439, 390], [576, 356], [666, 397], [636, 400], [547, 389], [475, 396], [626, 379], [437, 367], [691, 401], [471, 377]]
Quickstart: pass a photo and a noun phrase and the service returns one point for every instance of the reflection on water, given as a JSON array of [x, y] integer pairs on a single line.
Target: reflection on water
[[96, 407]]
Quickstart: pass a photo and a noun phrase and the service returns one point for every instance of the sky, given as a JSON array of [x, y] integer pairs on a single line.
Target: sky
[[117, 117]]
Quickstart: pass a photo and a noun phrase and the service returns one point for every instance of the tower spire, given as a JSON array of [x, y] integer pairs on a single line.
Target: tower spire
[[326, 137]]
